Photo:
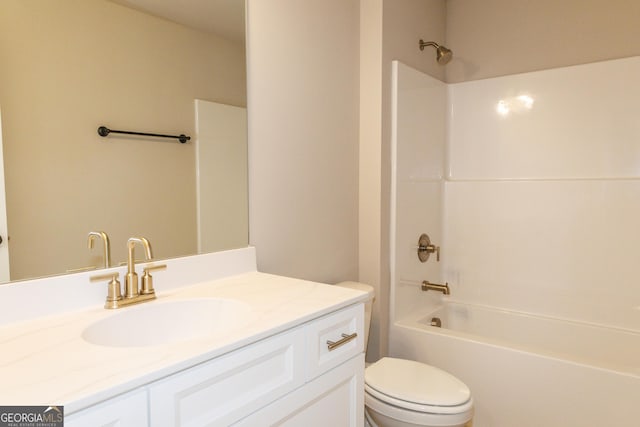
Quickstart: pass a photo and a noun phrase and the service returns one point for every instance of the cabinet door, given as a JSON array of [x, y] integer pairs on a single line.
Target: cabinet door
[[225, 389], [127, 410], [334, 399]]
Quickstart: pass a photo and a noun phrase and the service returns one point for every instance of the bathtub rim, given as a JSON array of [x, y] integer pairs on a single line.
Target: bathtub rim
[[447, 299], [415, 321]]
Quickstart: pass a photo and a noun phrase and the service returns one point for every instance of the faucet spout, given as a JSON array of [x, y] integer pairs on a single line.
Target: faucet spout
[[106, 246], [427, 286], [131, 244], [131, 289]]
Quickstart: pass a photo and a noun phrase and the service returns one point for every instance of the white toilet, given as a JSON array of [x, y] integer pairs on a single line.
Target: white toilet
[[405, 393]]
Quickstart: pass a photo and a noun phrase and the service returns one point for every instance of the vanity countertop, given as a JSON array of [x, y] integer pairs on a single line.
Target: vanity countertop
[[45, 361]]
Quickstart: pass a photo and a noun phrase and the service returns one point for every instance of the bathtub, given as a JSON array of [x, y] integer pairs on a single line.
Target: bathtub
[[529, 370]]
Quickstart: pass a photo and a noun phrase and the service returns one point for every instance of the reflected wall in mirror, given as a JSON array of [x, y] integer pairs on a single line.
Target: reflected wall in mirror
[[68, 67]]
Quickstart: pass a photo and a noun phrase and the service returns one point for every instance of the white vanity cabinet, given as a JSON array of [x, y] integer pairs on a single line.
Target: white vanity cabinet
[[292, 373], [291, 378]]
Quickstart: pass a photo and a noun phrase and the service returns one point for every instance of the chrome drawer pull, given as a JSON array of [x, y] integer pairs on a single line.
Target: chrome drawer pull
[[345, 339]]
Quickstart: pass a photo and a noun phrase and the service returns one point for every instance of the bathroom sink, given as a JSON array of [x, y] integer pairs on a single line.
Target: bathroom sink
[[158, 323]]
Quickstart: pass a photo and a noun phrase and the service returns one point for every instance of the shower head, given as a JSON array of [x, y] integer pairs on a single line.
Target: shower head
[[443, 55]]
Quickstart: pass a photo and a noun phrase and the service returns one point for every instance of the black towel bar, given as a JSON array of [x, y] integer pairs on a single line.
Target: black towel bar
[[104, 131]]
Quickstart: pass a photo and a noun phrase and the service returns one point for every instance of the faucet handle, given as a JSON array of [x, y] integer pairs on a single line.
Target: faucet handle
[[426, 248], [113, 288], [147, 280]]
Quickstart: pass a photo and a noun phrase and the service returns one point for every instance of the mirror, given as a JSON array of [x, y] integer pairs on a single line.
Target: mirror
[[68, 67]]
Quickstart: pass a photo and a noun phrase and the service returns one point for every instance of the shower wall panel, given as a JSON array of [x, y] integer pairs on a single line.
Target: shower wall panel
[[419, 132], [577, 122], [542, 197]]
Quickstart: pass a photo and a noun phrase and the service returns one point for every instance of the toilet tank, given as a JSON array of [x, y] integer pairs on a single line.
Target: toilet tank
[[367, 304]]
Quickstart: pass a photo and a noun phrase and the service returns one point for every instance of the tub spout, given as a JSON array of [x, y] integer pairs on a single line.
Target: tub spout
[[427, 286]]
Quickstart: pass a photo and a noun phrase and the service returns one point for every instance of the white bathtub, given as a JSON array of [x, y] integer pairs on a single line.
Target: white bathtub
[[529, 370]]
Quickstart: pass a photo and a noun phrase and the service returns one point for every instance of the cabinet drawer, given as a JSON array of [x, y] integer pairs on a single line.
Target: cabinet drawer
[[223, 390], [337, 328]]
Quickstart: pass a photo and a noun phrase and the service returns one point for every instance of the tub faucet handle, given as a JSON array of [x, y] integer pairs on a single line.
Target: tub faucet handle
[[426, 248]]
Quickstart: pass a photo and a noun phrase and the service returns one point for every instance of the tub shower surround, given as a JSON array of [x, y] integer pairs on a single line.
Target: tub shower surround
[[531, 185]]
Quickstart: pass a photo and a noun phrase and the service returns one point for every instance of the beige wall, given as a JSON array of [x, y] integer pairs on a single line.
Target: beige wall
[[498, 37], [311, 189], [67, 67], [303, 137], [389, 30], [370, 156], [405, 23]]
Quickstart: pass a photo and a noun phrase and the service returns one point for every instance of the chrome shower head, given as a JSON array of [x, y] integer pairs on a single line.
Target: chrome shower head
[[443, 55]]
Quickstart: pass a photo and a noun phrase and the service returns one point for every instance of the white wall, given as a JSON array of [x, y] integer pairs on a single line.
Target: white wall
[[542, 204], [303, 88]]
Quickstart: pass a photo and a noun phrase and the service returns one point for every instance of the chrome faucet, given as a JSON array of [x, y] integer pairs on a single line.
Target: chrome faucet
[[105, 245], [427, 286], [133, 293]]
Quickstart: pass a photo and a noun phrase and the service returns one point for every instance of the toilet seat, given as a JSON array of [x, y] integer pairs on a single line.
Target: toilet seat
[[417, 407], [416, 387], [385, 414]]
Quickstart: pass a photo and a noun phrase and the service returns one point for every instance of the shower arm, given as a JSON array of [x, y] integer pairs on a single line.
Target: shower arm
[[423, 44]]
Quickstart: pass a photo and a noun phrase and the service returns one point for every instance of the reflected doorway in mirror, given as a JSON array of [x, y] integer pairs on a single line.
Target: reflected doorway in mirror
[[4, 243], [221, 170]]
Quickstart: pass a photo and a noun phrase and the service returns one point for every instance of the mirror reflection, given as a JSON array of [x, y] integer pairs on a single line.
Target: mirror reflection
[[68, 67]]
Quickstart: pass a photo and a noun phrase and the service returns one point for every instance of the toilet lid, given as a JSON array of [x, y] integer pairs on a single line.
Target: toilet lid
[[416, 382]]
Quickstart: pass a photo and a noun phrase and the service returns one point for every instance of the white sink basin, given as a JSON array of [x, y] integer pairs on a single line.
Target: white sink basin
[[158, 323]]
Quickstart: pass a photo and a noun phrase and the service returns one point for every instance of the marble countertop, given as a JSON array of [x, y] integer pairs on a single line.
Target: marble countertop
[[45, 360]]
